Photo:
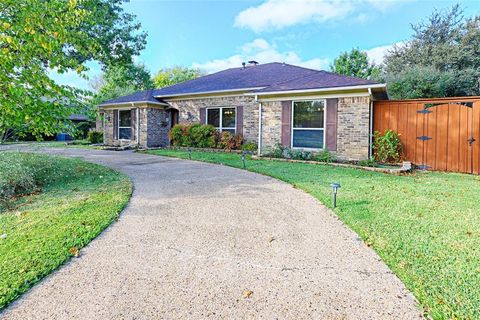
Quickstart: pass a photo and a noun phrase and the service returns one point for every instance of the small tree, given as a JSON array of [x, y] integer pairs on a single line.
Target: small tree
[[355, 64], [170, 76]]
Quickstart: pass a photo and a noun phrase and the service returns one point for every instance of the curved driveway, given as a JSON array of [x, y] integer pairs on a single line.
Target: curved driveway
[[197, 239]]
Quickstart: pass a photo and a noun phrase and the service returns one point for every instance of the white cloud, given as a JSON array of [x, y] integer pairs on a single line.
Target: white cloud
[[278, 14], [262, 51], [377, 54]]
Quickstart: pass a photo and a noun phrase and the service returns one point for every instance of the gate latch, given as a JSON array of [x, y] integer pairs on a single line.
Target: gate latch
[[424, 138], [471, 140]]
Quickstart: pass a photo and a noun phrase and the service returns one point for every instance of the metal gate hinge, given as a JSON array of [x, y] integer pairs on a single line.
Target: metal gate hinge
[[424, 138]]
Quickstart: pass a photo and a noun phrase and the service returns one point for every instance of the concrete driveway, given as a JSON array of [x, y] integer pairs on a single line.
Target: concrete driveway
[[206, 241]]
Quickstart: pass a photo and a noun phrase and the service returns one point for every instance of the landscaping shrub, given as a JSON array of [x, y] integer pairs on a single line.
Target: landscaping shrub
[[95, 136], [296, 154], [277, 151], [324, 156], [229, 141], [387, 147], [250, 146], [178, 135], [368, 163], [202, 136], [21, 173], [82, 129]]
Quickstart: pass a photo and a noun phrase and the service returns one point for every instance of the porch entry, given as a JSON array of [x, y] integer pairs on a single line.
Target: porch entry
[[437, 134]]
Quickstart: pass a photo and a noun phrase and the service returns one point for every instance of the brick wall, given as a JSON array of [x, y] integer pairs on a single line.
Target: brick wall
[[190, 111], [353, 133], [352, 127], [271, 123]]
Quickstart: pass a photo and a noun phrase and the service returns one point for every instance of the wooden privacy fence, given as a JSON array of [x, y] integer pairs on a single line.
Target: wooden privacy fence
[[438, 134]]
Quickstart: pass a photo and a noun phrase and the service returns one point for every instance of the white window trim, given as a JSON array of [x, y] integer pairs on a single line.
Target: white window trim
[[220, 129], [118, 125], [315, 129]]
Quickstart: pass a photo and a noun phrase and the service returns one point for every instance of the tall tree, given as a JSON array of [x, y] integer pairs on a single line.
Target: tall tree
[[38, 37], [355, 64], [121, 80], [446, 47], [169, 76]]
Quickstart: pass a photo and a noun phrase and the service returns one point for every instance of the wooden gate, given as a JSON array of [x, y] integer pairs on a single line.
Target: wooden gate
[[437, 134]]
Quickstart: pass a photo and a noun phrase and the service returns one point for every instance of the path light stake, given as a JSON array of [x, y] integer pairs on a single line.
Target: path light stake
[[189, 154], [243, 160], [335, 186]]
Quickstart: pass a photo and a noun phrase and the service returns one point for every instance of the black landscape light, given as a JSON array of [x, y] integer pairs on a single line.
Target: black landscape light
[[243, 160], [335, 186], [189, 154]]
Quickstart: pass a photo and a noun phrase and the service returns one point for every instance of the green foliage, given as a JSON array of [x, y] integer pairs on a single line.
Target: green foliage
[[229, 141], [387, 147], [368, 163], [275, 151], [355, 64], [170, 76], [424, 226], [82, 129], [21, 173], [78, 200], [324, 156], [121, 80], [41, 37], [250, 146], [202, 136], [95, 136], [296, 154], [441, 59]]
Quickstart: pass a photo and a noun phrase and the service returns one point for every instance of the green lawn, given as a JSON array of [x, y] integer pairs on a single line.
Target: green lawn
[[77, 203], [54, 144], [425, 226]]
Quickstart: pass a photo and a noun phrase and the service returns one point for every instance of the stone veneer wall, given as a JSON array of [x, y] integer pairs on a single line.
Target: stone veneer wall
[[108, 127], [271, 123], [353, 128], [189, 111]]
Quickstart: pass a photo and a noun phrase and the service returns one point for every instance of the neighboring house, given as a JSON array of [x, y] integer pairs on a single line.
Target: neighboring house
[[268, 104]]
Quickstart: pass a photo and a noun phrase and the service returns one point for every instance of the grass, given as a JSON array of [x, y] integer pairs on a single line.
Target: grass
[[78, 201], [425, 226], [54, 144]]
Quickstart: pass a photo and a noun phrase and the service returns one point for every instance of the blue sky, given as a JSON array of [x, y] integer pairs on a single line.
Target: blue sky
[[214, 35]]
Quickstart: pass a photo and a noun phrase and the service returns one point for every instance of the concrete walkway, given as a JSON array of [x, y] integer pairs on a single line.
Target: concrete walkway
[[197, 239]]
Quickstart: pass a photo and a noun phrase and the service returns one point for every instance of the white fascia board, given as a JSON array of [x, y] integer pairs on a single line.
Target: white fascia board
[[207, 92], [132, 102], [368, 86]]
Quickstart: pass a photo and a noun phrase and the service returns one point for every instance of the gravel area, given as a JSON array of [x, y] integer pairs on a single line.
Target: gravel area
[[206, 241]]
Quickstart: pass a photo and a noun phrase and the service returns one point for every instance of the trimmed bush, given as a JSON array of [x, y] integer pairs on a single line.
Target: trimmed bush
[[202, 136], [324, 156], [229, 141], [387, 147], [82, 129], [95, 136], [20, 174], [250, 146]]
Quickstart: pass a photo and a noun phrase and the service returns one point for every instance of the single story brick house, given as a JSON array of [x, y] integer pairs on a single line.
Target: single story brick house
[[266, 103]]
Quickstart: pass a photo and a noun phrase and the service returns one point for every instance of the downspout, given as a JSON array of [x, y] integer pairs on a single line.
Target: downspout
[[259, 151], [370, 141], [138, 126]]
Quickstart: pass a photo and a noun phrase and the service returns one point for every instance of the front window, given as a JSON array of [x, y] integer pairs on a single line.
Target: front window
[[308, 124], [124, 124], [223, 119]]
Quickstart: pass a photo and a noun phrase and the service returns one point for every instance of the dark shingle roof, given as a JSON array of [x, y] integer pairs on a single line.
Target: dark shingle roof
[[263, 78], [317, 80], [140, 96], [261, 75]]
